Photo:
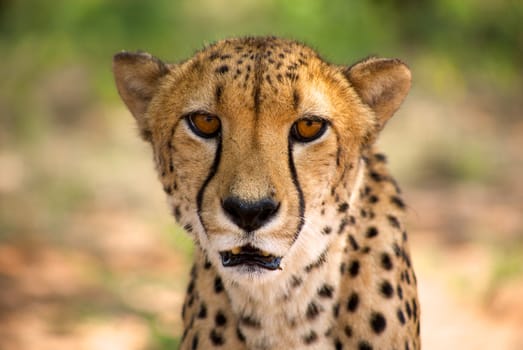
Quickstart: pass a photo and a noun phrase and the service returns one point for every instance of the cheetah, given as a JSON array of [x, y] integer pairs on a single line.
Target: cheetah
[[267, 155]]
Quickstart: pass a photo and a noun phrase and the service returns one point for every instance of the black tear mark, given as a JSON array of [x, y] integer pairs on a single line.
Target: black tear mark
[[295, 181], [212, 172]]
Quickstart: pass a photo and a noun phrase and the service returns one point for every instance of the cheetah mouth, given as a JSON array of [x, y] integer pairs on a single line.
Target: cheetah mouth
[[251, 256]]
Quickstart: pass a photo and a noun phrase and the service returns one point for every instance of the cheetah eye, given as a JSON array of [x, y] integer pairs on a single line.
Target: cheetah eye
[[204, 125], [308, 129]]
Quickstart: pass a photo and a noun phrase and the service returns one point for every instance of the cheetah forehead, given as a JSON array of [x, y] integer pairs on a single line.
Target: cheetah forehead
[[260, 73]]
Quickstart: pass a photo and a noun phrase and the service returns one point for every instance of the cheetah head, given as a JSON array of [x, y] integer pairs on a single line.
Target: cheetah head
[[254, 139]]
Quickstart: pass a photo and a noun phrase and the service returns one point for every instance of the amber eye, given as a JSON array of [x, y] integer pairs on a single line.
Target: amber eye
[[204, 125], [308, 129]]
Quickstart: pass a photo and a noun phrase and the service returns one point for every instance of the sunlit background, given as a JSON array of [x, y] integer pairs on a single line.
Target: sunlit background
[[89, 255]]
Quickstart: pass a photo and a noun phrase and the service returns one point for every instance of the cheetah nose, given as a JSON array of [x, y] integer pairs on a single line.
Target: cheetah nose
[[250, 216]]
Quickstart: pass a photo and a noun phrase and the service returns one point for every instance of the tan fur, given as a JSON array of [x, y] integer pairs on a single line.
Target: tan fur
[[345, 279]]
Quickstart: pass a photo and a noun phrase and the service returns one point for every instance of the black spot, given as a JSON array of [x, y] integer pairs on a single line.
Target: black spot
[[405, 257], [218, 93], [409, 310], [240, 335], [190, 301], [380, 157], [354, 268], [168, 189], [225, 57], [393, 221], [353, 302], [295, 99], [386, 289], [218, 284], [376, 176], [343, 267], [371, 232], [326, 230], [203, 311], [378, 322], [190, 287], [220, 319], [386, 262], [414, 309], [188, 227], [326, 291], [310, 338], [407, 345], [344, 222], [213, 56], [313, 310], [338, 345], [296, 281], [250, 321], [397, 250], [373, 199], [364, 345], [177, 213], [222, 69], [407, 277], [336, 310], [348, 331], [353, 243], [194, 345], [401, 316], [397, 201], [399, 291], [342, 208], [216, 338], [279, 77], [207, 265]]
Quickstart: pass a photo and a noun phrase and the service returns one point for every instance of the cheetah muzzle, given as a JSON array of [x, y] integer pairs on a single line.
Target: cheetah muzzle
[[267, 155]]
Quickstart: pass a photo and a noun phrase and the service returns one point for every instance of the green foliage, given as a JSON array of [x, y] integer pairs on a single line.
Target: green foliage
[[508, 264]]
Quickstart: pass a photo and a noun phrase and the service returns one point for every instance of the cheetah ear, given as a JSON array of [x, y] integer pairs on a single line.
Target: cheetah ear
[[137, 76], [381, 83]]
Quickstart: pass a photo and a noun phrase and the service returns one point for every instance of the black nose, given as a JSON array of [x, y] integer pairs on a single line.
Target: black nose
[[250, 216]]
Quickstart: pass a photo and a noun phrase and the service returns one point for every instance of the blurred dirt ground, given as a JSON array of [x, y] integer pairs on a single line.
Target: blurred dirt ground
[[90, 257]]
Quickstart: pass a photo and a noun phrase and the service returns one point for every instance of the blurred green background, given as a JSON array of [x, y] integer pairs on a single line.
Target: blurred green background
[[89, 256]]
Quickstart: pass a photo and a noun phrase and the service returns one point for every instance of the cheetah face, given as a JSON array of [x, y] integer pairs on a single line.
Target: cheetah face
[[254, 139]]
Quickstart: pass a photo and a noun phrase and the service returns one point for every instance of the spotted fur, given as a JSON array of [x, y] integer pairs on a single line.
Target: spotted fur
[[346, 279]]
